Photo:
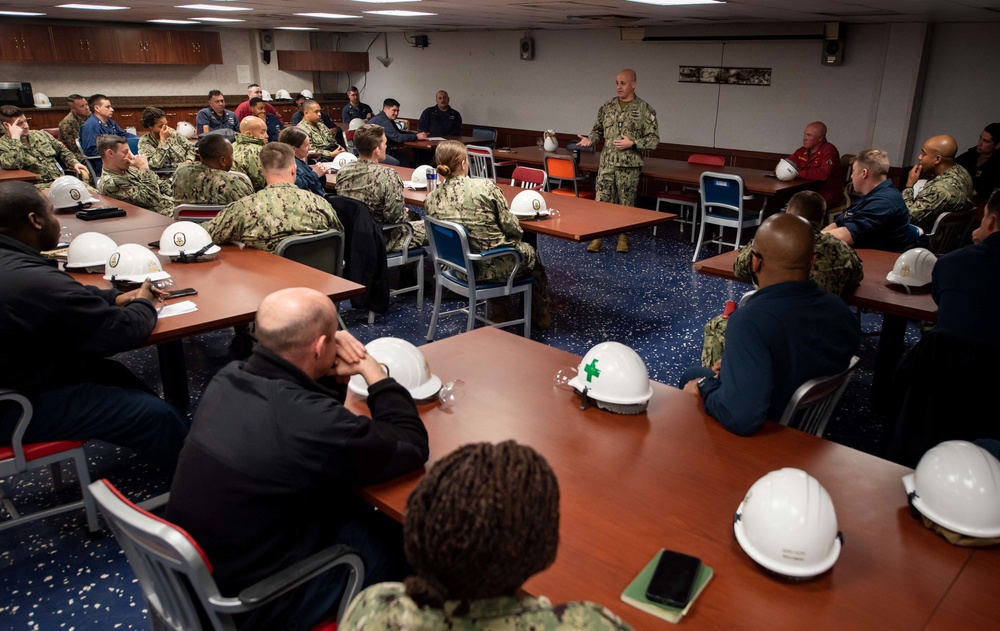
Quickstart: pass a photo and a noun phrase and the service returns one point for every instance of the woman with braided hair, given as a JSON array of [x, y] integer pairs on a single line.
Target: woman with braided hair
[[483, 521]]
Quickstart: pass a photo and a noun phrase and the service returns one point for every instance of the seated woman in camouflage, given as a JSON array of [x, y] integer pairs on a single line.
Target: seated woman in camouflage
[[483, 521], [163, 147], [479, 206]]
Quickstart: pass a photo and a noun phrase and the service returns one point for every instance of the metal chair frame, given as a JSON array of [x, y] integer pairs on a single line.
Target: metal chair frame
[[405, 256], [812, 404], [950, 231], [481, 162], [489, 134], [570, 173], [689, 197], [529, 178], [93, 163], [719, 203], [323, 251]]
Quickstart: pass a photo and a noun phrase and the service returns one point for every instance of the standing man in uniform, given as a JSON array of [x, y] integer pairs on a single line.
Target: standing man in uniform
[[627, 125], [215, 116], [69, 127], [246, 150], [35, 151], [127, 177], [208, 180], [819, 160], [355, 108]]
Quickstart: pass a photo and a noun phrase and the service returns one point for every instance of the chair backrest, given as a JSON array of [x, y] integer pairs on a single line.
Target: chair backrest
[[173, 571], [323, 251], [706, 159], [812, 404], [133, 144], [529, 178], [486, 134], [481, 162], [94, 164], [560, 167], [950, 231], [52, 131], [721, 191], [449, 245], [15, 461], [197, 213]]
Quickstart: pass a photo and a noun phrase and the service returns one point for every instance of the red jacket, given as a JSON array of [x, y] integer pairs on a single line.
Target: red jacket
[[824, 166]]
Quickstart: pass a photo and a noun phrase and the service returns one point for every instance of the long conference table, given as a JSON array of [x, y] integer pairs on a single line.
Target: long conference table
[[17, 175], [672, 477]]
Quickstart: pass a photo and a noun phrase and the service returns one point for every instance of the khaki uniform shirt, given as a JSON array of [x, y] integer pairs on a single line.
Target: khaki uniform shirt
[[637, 120], [196, 183], [41, 155], [320, 137], [69, 132], [945, 193], [381, 189], [142, 188], [263, 219], [246, 159], [168, 153]]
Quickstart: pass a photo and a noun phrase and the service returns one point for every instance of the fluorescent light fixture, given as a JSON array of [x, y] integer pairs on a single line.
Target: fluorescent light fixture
[[21, 13], [677, 3], [218, 20], [296, 28], [91, 7], [400, 14], [171, 21], [211, 7], [328, 16]]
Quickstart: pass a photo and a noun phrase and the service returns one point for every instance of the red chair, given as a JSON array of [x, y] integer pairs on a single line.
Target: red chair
[[52, 131], [688, 198], [19, 458], [563, 168], [528, 178], [198, 213], [349, 140]]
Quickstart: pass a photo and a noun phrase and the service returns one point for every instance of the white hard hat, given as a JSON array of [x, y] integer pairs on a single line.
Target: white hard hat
[[187, 130], [787, 524], [913, 268], [786, 171], [282, 94], [187, 240], [264, 94], [614, 376], [134, 263], [42, 101], [403, 362], [957, 485], [528, 204], [356, 123], [420, 173], [68, 192], [307, 93], [90, 250], [343, 159]]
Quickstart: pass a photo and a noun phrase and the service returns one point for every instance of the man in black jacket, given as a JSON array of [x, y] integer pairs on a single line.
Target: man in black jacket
[[55, 335], [265, 476]]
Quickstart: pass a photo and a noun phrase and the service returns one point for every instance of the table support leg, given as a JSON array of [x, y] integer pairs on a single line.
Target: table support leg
[[173, 374], [890, 351]]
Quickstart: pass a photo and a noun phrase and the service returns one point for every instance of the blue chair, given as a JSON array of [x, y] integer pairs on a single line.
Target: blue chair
[[722, 197], [449, 245], [133, 144], [486, 136], [408, 254]]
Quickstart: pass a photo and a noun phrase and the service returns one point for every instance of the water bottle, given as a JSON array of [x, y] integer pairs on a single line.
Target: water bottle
[[432, 181]]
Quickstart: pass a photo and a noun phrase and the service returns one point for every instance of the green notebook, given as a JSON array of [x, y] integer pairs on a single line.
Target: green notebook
[[635, 593]]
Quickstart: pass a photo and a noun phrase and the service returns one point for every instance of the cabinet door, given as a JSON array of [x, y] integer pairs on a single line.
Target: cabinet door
[[83, 44], [141, 46], [25, 43], [129, 117], [40, 120], [195, 48]]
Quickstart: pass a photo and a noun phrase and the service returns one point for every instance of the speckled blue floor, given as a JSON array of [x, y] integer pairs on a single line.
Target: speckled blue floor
[[53, 577]]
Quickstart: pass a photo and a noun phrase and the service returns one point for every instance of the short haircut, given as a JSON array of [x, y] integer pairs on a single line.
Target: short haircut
[[254, 101], [212, 93], [109, 141], [72, 98], [993, 205], [309, 102], [367, 138], [17, 201], [253, 85], [993, 129], [10, 113], [482, 521], [353, 88], [390, 103], [276, 155], [292, 136], [212, 146], [96, 98], [150, 115], [875, 160], [809, 205]]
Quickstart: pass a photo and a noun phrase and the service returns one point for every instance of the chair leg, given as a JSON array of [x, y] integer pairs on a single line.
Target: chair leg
[[371, 317], [420, 284], [471, 320], [431, 330], [527, 314], [83, 475], [701, 239], [57, 481], [695, 220], [739, 234]]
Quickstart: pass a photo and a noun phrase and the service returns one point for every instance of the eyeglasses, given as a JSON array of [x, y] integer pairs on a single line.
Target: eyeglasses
[[756, 254]]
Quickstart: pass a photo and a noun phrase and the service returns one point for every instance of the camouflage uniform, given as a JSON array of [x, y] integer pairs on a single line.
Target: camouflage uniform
[[69, 132], [381, 189], [320, 137], [619, 171], [479, 206], [166, 154], [837, 269], [386, 607], [945, 193], [263, 219], [142, 188], [41, 155], [197, 183], [246, 159]]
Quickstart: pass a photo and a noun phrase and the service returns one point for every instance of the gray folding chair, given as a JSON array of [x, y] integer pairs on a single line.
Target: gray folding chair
[[812, 404], [323, 251], [405, 256], [176, 576], [950, 231]]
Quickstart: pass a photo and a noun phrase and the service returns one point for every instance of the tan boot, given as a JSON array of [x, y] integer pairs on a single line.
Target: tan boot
[[622, 243], [595, 245]]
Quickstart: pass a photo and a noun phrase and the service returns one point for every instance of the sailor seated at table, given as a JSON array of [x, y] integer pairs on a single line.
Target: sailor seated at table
[[321, 138], [308, 177], [163, 147], [127, 177], [209, 180], [34, 151], [246, 150]]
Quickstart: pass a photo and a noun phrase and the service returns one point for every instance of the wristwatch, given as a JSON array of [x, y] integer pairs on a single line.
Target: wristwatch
[[702, 381]]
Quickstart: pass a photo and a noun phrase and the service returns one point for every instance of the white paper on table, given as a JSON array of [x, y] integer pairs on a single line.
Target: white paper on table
[[436, 138], [330, 166], [177, 308]]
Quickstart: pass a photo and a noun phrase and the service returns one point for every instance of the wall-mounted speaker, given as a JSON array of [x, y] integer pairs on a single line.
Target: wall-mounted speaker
[[527, 49], [833, 52], [267, 40]]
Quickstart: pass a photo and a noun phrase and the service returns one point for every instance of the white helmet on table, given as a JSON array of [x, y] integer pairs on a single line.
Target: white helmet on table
[[282, 95], [90, 251], [615, 377], [420, 173], [356, 123], [42, 101], [343, 159], [68, 192], [786, 171], [957, 485], [264, 94], [913, 268], [187, 241], [403, 362], [528, 204], [187, 130], [787, 524], [133, 263], [307, 93]]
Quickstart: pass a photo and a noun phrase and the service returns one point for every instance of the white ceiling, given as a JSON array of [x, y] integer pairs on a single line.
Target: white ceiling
[[526, 14]]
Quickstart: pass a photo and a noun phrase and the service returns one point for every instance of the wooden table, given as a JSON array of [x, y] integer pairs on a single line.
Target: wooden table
[[677, 171], [135, 218], [972, 602], [17, 175], [433, 143], [673, 477]]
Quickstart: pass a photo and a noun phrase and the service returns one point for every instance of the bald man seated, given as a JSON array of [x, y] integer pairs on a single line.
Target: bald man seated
[[818, 160], [246, 150], [788, 332], [948, 187], [265, 476]]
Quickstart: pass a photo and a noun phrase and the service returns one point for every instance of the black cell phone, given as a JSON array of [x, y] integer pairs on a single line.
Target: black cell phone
[[673, 579], [177, 293]]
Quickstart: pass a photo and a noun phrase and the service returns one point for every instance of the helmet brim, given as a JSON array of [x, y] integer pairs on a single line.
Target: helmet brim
[[425, 391], [909, 483], [780, 567]]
